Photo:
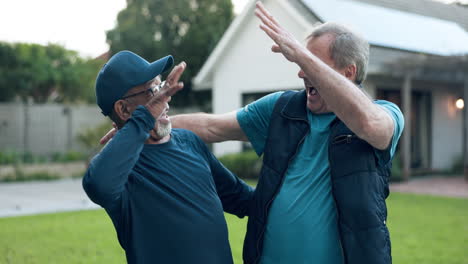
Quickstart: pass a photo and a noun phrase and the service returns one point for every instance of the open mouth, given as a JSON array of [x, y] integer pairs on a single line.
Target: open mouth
[[311, 90]]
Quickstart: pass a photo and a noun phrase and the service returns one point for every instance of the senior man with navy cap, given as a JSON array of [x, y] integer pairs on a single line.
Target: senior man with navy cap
[[163, 189]]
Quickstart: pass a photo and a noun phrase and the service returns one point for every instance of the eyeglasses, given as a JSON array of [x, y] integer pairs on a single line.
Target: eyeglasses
[[150, 91]]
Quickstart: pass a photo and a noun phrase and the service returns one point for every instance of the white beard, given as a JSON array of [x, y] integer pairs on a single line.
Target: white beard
[[163, 130]]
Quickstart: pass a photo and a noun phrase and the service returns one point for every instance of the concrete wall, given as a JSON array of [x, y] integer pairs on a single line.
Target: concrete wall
[[45, 128], [50, 128]]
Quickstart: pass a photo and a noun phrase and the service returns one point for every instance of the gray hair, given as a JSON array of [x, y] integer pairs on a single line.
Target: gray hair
[[347, 48]]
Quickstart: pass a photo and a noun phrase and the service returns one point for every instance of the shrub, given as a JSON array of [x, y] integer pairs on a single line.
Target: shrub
[[90, 137], [36, 176], [10, 157], [397, 171], [245, 165], [16, 157], [68, 156], [20, 175], [457, 166]]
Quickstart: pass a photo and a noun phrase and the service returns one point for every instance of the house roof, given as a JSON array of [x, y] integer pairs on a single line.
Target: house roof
[[426, 8], [453, 12], [393, 28]]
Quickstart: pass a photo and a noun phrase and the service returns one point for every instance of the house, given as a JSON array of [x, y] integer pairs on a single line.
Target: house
[[401, 32]]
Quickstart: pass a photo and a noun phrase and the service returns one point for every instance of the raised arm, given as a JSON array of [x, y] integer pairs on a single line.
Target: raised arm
[[211, 127], [368, 120], [108, 171]]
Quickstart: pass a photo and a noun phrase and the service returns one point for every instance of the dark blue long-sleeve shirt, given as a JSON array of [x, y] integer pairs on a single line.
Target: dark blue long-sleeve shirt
[[166, 200]]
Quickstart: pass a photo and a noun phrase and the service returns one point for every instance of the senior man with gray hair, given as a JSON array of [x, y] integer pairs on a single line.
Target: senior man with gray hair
[[327, 154]]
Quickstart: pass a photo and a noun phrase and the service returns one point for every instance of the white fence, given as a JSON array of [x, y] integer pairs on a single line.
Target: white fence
[[49, 128], [45, 128]]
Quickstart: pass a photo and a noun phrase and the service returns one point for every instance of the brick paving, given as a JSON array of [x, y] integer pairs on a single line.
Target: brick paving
[[434, 185]]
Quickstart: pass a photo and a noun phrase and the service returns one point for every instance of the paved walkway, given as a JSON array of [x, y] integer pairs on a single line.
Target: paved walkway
[[434, 185], [29, 198]]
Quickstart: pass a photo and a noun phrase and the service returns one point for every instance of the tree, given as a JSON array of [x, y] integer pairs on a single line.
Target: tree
[[8, 64], [187, 29], [45, 73]]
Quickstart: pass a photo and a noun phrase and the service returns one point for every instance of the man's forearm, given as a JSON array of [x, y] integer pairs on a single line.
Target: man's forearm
[[211, 127], [108, 171], [369, 121], [196, 122]]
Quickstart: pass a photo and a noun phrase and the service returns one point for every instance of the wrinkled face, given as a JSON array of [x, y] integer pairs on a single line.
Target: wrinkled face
[[142, 94], [320, 47]]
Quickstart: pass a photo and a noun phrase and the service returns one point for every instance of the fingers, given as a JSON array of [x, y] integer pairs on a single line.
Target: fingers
[[269, 24], [275, 48], [261, 8], [273, 35], [262, 13], [173, 85], [175, 74], [159, 102], [109, 135], [266, 22]]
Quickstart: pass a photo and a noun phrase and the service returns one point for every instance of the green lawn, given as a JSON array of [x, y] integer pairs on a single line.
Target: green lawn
[[424, 229]]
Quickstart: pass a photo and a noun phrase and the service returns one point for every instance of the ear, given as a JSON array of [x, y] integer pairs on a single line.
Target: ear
[[121, 109], [350, 72]]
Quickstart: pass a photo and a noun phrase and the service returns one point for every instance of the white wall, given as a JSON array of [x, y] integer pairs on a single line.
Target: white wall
[[248, 65], [447, 129]]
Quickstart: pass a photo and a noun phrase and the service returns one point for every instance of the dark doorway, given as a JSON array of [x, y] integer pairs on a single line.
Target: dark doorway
[[421, 132]]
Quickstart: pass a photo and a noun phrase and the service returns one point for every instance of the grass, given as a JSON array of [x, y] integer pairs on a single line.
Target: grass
[[428, 229], [424, 229]]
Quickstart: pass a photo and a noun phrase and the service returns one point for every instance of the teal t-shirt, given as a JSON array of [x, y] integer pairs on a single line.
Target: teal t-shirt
[[302, 223]]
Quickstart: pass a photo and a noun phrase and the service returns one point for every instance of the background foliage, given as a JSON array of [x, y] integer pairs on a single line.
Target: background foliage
[[245, 165], [45, 73], [187, 29]]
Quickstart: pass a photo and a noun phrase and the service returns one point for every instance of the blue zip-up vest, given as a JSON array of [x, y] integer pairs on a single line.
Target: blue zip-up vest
[[359, 184]]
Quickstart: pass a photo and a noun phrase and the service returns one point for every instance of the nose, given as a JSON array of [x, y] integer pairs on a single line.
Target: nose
[[301, 74]]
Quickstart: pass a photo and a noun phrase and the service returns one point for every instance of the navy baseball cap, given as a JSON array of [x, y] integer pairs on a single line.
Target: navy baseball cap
[[122, 72]]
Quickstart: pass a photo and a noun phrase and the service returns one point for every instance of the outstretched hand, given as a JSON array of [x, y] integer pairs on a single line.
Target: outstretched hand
[[158, 102], [286, 43]]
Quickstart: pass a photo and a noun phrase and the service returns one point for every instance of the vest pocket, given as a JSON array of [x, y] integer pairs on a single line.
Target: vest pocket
[[349, 154], [341, 139]]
